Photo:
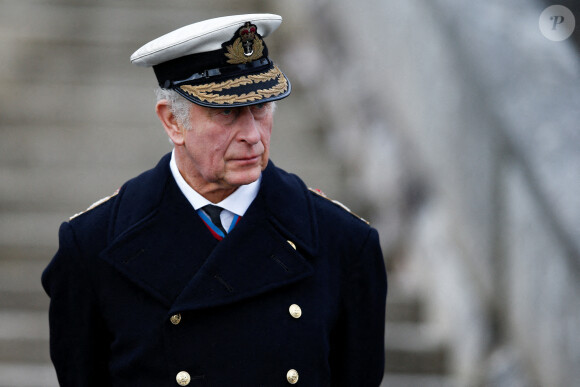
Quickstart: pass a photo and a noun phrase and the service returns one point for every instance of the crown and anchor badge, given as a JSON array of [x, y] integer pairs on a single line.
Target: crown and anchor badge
[[247, 46]]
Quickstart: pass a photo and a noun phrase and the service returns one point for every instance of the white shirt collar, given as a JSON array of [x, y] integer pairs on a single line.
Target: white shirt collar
[[237, 203]]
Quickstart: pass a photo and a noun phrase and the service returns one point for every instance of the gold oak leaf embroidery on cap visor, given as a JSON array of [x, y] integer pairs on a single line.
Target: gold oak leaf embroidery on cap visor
[[208, 92]]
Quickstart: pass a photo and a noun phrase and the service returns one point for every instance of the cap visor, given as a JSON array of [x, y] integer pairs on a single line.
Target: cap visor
[[268, 85]]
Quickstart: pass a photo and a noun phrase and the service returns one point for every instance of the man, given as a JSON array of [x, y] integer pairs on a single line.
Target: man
[[277, 285]]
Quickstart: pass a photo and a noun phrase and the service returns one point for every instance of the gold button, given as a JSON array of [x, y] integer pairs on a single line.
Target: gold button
[[183, 378], [295, 311], [175, 319], [292, 244], [292, 376]]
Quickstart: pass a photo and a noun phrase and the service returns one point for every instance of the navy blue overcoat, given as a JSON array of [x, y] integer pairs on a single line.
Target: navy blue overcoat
[[141, 292]]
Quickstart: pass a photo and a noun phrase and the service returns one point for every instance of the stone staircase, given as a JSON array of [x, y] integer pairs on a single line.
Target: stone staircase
[[77, 120]]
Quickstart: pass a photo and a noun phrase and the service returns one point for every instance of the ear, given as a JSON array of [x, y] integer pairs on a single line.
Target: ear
[[173, 129]]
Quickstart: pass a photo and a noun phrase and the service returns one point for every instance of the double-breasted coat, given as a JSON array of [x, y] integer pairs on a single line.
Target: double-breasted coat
[[143, 295]]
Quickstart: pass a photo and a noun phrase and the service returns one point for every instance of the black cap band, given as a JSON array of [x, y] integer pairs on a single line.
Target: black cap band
[[215, 74]]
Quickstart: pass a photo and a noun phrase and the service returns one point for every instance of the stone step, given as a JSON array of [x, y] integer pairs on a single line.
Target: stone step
[[10, 252], [25, 351], [21, 324], [413, 380], [36, 300], [30, 192], [20, 271], [24, 336], [416, 362], [21, 278], [85, 104], [403, 309], [411, 349], [90, 144], [31, 228], [27, 374]]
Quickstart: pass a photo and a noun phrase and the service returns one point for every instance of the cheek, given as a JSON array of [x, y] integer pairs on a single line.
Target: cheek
[[266, 142], [266, 138], [207, 150], [212, 143], [266, 132]]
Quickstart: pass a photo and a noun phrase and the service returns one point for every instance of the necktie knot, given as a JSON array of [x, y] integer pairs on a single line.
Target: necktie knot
[[214, 214]]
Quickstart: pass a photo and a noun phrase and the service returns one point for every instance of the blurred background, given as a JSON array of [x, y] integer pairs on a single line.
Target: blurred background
[[452, 125]]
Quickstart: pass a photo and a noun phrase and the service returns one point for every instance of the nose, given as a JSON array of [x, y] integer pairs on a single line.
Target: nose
[[248, 127]]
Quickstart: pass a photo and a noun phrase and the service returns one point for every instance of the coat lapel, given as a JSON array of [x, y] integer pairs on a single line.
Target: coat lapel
[[253, 259], [169, 253], [164, 248], [256, 257]]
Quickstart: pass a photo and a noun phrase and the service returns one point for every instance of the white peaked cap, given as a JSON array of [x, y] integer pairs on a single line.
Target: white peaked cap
[[207, 35]]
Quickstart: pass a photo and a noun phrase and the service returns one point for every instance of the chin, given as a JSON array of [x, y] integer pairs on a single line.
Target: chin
[[245, 177]]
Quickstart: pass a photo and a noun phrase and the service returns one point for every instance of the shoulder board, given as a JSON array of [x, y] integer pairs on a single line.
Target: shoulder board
[[95, 204], [323, 195]]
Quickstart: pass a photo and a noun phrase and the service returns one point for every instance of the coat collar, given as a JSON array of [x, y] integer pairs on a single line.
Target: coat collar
[[290, 207], [188, 269]]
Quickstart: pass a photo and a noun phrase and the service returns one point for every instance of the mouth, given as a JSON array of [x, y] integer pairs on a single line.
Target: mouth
[[250, 160]]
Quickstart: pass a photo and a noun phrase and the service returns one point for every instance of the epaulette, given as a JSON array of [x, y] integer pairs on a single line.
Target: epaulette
[[323, 195], [95, 204]]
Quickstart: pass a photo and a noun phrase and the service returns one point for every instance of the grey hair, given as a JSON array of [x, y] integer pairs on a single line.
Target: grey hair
[[180, 107]]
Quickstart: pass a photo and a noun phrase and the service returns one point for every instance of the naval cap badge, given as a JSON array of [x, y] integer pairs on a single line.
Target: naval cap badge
[[247, 45]]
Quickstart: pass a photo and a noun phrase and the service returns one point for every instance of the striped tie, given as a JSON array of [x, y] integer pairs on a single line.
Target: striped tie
[[214, 214]]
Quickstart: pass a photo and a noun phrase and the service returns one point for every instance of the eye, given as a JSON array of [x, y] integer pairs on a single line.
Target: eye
[[260, 109], [226, 112]]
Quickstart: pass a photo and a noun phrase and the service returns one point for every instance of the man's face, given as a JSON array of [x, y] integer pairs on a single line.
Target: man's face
[[226, 148]]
